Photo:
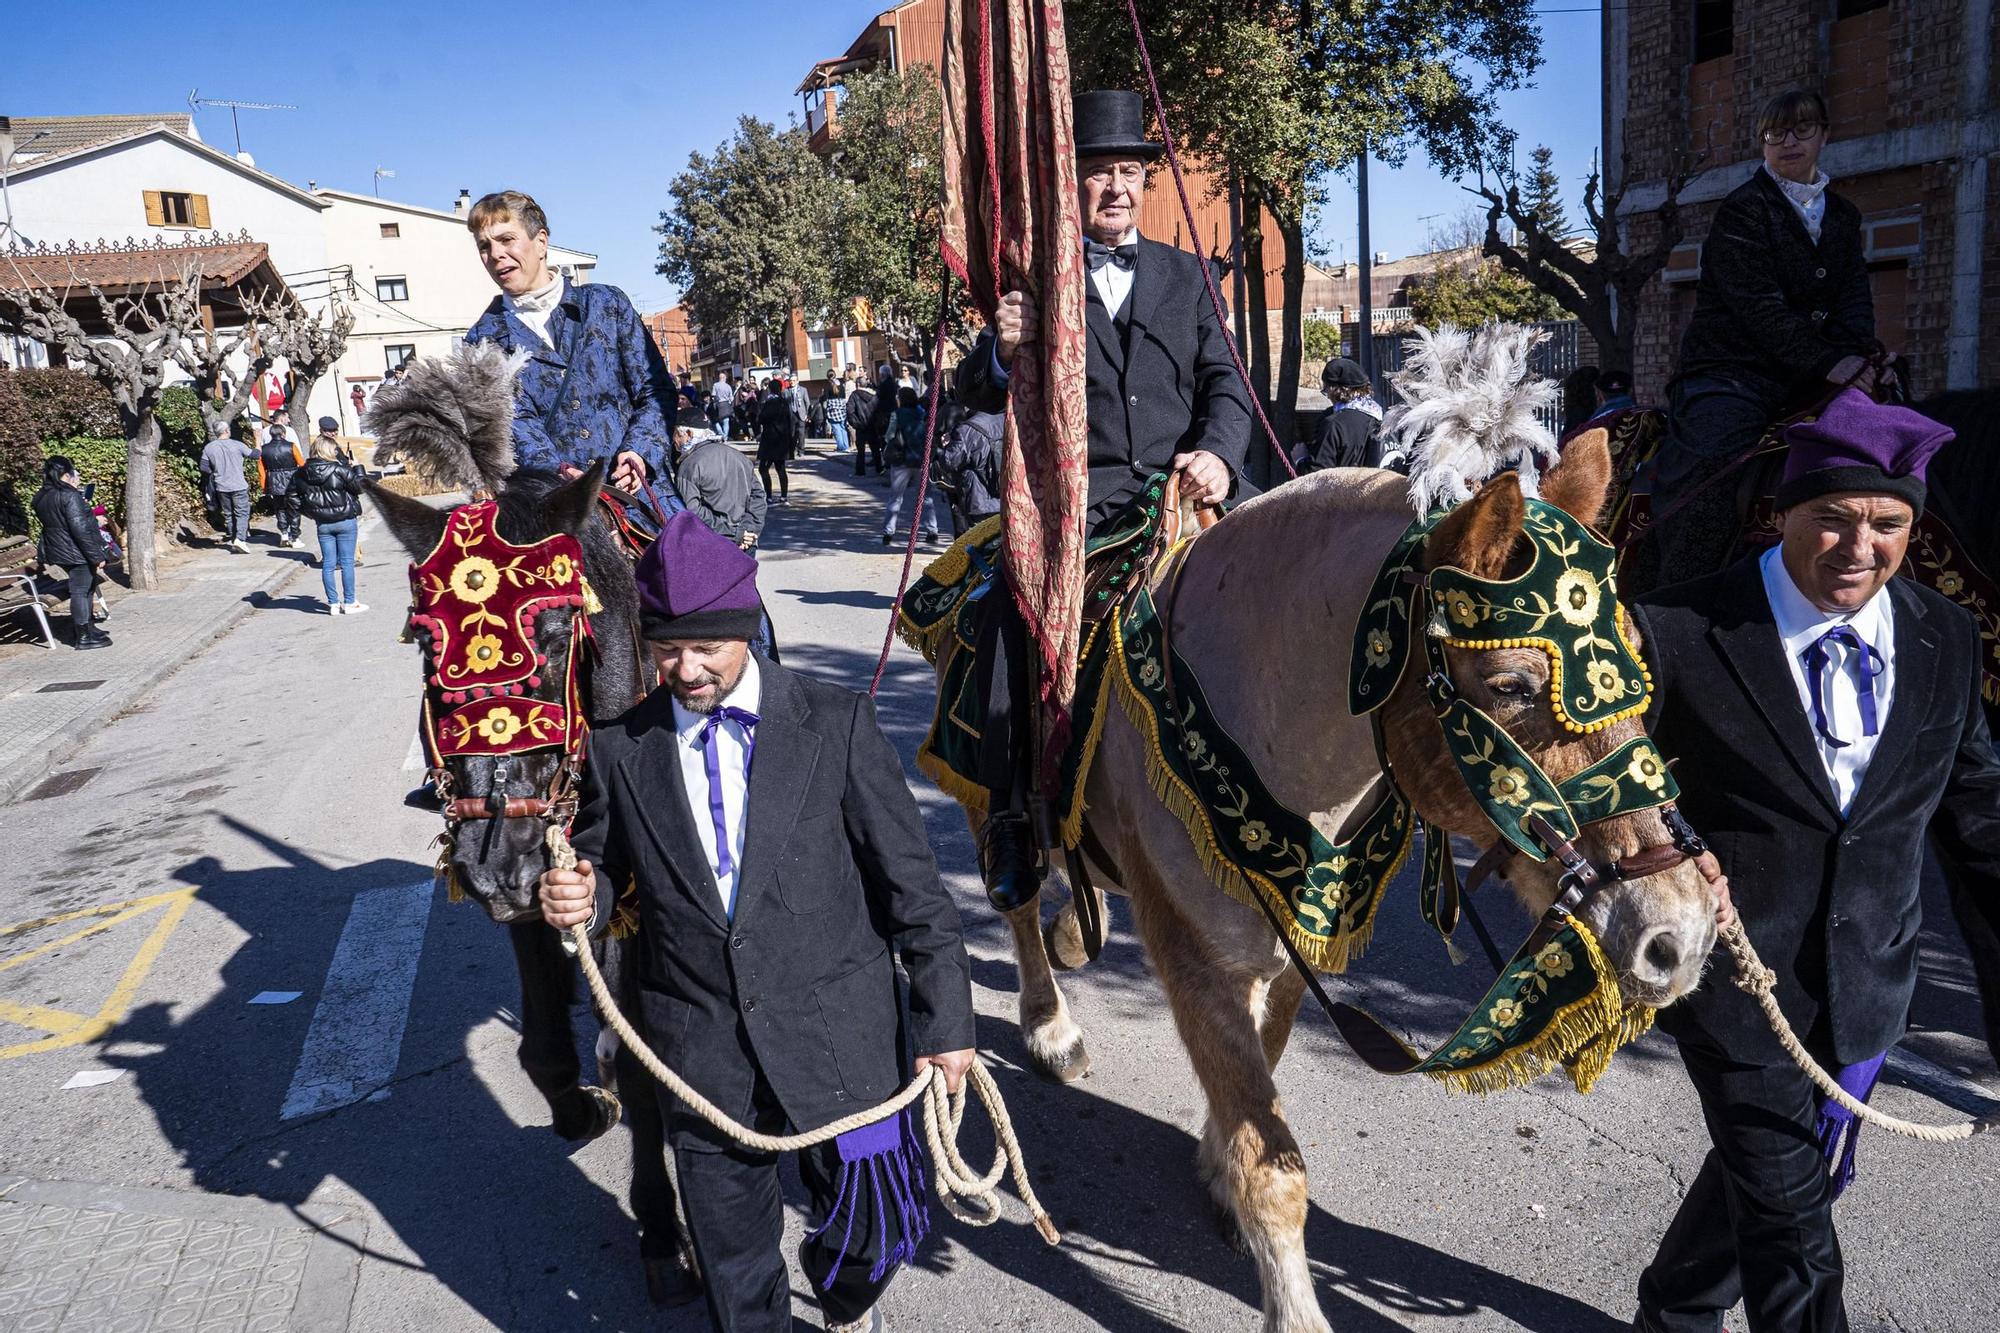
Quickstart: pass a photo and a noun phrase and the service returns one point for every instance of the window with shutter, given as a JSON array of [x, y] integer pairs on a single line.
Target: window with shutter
[[155, 211], [200, 202]]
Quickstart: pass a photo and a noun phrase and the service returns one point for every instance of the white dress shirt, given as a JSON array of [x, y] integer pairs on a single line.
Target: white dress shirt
[[732, 752], [534, 308], [1800, 624], [1113, 283], [1808, 198]]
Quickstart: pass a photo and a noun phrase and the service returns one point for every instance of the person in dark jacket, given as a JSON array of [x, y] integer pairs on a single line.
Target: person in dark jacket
[[328, 492], [782, 872], [1782, 315], [1826, 725], [903, 450], [1349, 431], [71, 541], [716, 481], [777, 433], [861, 409], [281, 459], [970, 467]]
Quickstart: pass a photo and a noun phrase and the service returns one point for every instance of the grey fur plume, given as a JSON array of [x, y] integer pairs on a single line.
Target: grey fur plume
[[1468, 411], [451, 421]]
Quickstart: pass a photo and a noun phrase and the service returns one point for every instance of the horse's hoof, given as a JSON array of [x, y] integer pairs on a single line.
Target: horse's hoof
[[605, 1110], [1065, 1066], [1061, 942], [671, 1282], [607, 1075]]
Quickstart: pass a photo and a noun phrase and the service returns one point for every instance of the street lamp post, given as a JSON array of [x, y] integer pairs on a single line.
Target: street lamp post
[[6, 200]]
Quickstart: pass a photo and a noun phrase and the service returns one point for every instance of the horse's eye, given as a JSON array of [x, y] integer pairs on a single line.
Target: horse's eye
[[1512, 686]]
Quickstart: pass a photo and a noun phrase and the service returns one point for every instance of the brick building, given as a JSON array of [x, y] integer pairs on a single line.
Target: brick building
[[1915, 126], [676, 341]]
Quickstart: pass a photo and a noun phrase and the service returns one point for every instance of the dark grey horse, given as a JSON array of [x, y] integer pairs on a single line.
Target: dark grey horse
[[452, 422]]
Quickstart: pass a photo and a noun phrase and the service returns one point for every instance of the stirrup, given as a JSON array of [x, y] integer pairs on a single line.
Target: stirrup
[[1007, 857]]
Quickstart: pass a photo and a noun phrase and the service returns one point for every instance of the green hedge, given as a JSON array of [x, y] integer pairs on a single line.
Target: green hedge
[[58, 411], [101, 462]]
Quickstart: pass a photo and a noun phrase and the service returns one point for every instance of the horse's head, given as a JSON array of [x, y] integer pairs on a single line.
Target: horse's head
[[506, 694], [1551, 659]]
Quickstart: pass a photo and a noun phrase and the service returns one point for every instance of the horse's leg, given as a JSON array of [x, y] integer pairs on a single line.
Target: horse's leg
[[671, 1277], [1248, 1156], [548, 1046], [1055, 1042], [1062, 938], [1281, 1010]]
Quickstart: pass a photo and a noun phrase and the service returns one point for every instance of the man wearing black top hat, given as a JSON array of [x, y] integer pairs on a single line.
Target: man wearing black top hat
[[1162, 394]]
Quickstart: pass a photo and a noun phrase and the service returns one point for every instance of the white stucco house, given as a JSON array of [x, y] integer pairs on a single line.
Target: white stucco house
[[86, 179], [412, 278]]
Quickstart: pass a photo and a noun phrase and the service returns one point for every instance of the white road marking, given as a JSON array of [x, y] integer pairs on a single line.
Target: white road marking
[[413, 758], [90, 1078], [356, 1036], [275, 996]]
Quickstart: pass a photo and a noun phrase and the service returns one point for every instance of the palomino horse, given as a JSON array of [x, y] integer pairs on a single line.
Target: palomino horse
[[1264, 611], [452, 421]]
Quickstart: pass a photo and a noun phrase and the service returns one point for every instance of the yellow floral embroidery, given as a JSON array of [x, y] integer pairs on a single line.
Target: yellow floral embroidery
[[1461, 607], [1554, 961], [1195, 746], [483, 650], [561, 570], [1149, 672], [1505, 1013], [1509, 784], [1647, 769], [1950, 583], [1255, 835], [1577, 597], [1379, 645], [475, 579], [500, 726], [1605, 682]]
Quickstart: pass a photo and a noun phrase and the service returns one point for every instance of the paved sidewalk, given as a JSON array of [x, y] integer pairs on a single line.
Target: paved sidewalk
[[93, 1257], [51, 699]]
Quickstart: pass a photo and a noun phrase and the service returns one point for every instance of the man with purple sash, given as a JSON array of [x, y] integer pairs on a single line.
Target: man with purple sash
[[1827, 722], [782, 871]]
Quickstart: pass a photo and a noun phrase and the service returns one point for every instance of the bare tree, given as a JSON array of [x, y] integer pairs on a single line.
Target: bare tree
[[1602, 288], [130, 361], [311, 344], [207, 358]]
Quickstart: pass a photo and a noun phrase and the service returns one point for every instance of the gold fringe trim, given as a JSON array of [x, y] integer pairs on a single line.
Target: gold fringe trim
[[971, 795], [1586, 1031], [947, 570], [1325, 955]]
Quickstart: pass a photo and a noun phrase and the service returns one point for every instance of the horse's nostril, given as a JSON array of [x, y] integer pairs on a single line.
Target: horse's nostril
[[1662, 954]]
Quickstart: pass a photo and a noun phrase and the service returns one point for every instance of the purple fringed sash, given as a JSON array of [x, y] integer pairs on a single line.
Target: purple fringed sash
[[886, 1159], [1836, 1121]]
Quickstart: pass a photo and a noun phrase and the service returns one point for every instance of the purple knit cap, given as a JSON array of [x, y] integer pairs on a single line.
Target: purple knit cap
[[1858, 444], [697, 584]]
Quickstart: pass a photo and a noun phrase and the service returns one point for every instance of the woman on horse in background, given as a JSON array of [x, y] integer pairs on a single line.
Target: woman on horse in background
[[1782, 314]]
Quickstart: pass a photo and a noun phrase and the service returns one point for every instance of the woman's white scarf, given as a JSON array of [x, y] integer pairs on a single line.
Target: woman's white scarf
[[1808, 198], [534, 308]]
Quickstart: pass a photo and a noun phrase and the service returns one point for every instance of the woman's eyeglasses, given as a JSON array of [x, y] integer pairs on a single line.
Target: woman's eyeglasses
[[1804, 130]]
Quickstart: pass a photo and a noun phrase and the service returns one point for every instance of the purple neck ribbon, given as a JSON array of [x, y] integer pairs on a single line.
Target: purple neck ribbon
[[1836, 1122], [1867, 665], [711, 762]]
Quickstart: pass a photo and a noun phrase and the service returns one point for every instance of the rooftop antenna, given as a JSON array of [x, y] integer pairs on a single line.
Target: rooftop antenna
[[380, 172], [195, 99]]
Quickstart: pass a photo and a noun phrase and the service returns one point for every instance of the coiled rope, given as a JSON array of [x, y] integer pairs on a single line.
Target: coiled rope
[[1760, 981], [971, 1196]]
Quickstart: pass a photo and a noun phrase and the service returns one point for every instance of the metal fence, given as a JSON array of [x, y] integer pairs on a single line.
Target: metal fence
[[1555, 358]]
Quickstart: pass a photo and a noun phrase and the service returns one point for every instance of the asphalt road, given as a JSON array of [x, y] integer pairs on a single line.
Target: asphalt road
[[248, 811]]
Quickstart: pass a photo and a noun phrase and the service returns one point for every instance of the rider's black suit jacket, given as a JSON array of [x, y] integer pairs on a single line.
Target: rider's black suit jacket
[[837, 882], [1160, 380], [1830, 902]]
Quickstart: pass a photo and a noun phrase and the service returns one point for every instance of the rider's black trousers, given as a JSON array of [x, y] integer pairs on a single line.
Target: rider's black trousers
[[1006, 744], [1757, 1224], [1711, 420]]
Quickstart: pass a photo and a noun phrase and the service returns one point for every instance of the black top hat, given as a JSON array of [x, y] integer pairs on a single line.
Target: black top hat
[[1112, 121]]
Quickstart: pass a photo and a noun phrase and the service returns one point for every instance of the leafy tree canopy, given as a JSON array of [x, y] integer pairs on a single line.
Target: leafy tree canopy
[[1471, 294]]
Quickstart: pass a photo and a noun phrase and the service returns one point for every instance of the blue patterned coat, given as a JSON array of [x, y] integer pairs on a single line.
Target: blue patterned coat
[[600, 390]]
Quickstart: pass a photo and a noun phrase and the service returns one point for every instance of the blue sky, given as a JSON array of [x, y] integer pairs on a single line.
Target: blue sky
[[590, 107]]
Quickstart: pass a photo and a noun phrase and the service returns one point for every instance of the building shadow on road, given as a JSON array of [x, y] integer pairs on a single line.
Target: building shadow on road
[[492, 1208]]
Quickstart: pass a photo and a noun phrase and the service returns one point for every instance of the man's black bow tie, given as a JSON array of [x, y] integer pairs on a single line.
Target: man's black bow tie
[[1098, 255]]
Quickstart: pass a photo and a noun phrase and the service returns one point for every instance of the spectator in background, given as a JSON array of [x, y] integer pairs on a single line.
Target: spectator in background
[[224, 487], [862, 406], [834, 405], [329, 430], [887, 397], [328, 491], [722, 404], [1348, 433], [279, 462], [777, 432], [70, 540], [359, 397], [1579, 398], [717, 481], [1613, 394], [903, 448], [801, 412], [970, 468]]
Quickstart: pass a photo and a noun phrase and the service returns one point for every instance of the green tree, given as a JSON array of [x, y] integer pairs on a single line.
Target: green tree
[[1472, 294], [1282, 93], [888, 179], [1321, 340], [1544, 193], [749, 236]]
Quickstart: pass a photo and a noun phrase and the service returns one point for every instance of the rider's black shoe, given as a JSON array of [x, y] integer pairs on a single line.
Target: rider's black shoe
[[1007, 854], [424, 797]]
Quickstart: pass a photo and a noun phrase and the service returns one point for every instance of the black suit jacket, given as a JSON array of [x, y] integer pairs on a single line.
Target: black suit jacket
[[1831, 903], [1772, 303], [837, 882], [1160, 380]]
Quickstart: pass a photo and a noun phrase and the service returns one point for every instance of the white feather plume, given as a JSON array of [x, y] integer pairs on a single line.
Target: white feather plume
[[1468, 410]]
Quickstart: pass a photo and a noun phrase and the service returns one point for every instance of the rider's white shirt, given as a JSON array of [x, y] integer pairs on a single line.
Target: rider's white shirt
[[1808, 198], [1799, 624], [534, 308], [732, 751], [1113, 283]]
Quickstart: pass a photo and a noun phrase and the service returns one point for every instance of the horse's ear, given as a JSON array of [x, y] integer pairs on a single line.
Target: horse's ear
[[568, 507], [1479, 535], [416, 526], [1581, 483]]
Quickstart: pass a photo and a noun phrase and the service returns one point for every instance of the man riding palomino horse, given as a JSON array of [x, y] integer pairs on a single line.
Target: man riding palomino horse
[[1162, 395]]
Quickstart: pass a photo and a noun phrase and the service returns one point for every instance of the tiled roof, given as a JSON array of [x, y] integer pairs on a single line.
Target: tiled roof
[[136, 265], [65, 133]]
